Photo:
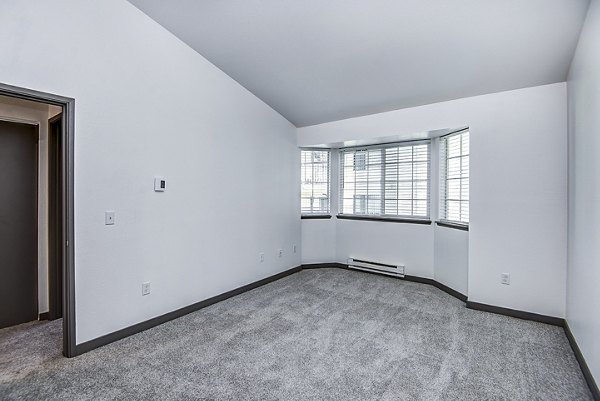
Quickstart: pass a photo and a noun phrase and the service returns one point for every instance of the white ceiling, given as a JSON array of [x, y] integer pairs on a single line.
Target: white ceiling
[[322, 60]]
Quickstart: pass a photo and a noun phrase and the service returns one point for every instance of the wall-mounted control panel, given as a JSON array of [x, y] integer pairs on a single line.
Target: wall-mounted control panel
[[160, 184], [109, 218]]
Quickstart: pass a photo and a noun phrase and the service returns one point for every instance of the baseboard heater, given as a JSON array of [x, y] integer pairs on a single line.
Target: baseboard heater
[[376, 267]]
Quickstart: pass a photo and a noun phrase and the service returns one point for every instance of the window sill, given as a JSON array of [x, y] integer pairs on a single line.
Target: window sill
[[384, 219], [456, 226], [315, 216]]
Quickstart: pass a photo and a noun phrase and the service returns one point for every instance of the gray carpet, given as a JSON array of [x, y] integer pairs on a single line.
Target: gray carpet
[[316, 335]]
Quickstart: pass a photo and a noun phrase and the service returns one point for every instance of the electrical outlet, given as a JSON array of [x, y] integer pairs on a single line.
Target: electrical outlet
[[261, 257], [505, 278], [146, 288], [160, 185], [280, 253], [294, 248]]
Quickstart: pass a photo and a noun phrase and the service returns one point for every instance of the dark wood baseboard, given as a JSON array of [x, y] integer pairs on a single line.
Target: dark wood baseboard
[[556, 321], [44, 316], [587, 374], [325, 266], [438, 285], [139, 327], [450, 291], [128, 331]]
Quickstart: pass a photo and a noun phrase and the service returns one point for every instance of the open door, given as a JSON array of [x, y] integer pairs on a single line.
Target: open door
[[18, 223]]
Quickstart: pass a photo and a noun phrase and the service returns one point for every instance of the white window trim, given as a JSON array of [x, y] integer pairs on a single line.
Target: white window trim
[[443, 185], [319, 213], [390, 217]]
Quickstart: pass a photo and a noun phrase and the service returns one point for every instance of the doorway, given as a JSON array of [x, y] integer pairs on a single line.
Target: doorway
[[18, 223], [21, 222]]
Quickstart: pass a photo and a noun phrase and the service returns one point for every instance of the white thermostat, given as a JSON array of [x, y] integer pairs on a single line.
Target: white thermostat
[[160, 184]]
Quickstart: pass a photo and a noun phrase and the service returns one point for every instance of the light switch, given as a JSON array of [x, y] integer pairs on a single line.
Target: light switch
[[109, 218], [160, 184]]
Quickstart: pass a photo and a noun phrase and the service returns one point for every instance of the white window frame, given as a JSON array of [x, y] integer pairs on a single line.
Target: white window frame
[[327, 199], [383, 216], [463, 218]]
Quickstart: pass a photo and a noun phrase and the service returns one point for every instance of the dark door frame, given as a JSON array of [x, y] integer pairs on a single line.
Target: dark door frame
[[67, 174], [55, 229]]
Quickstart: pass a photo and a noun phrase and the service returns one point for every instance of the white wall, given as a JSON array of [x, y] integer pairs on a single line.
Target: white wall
[[583, 295], [12, 109], [394, 243], [146, 105], [318, 241], [451, 258], [518, 188]]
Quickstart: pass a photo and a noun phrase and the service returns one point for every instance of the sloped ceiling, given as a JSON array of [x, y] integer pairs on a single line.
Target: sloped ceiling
[[316, 61]]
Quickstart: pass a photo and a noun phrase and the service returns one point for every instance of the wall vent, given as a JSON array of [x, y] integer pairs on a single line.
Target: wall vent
[[376, 267]]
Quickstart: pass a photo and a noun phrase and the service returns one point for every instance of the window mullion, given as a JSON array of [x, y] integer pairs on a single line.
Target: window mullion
[[398, 182], [446, 182], [312, 184], [368, 169], [460, 180], [382, 180], [355, 187], [412, 182]]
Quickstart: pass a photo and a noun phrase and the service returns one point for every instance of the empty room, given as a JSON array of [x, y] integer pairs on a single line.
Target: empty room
[[300, 200]]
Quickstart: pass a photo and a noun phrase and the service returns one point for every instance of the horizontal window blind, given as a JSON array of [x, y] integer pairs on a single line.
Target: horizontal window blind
[[314, 181], [386, 180], [454, 177]]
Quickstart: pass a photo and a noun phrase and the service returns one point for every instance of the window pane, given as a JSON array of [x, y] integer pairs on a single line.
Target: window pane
[[405, 190], [320, 190], [347, 205], [420, 171], [464, 172], [421, 153], [464, 211], [405, 154], [314, 185], [405, 172], [453, 189], [420, 208], [454, 185], [385, 180], [405, 207], [465, 143], [391, 207], [453, 145], [374, 205], [420, 194], [454, 168], [305, 204], [464, 191], [453, 210]]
